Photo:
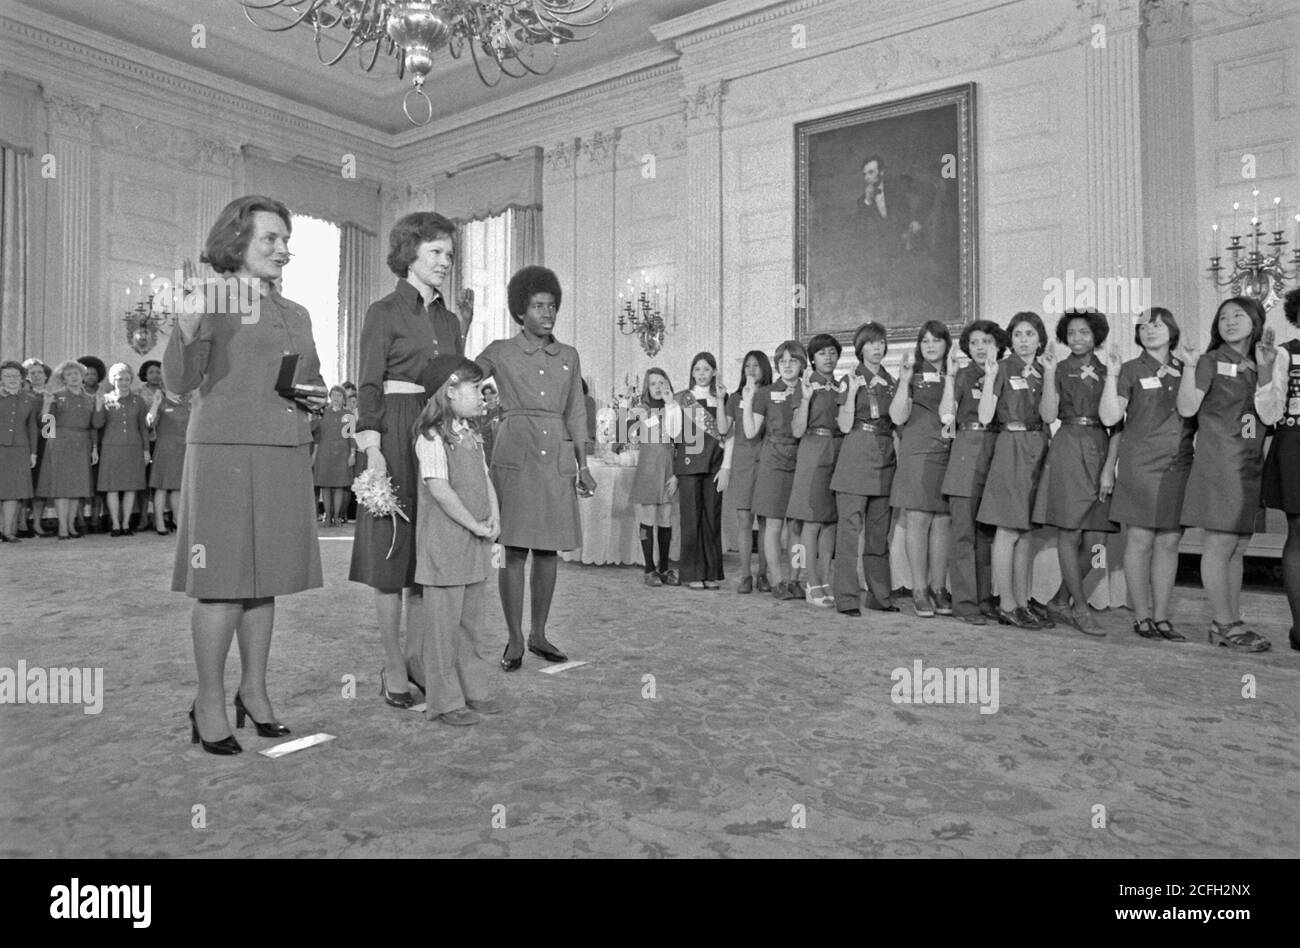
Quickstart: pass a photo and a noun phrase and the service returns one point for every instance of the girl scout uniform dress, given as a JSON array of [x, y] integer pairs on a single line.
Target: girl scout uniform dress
[[1008, 499], [654, 458], [19, 434], [1155, 454], [399, 338], [863, 478], [970, 564], [1068, 490], [744, 457], [811, 497], [922, 449], [453, 565], [330, 467], [1223, 489], [124, 440], [534, 465], [246, 528], [1281, 484], [169, 448], [697, 458], [65, 469], [776, 461]]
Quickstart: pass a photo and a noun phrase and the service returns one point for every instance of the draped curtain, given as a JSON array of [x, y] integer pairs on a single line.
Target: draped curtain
[[357, 254], [488, 252], [15, 333]]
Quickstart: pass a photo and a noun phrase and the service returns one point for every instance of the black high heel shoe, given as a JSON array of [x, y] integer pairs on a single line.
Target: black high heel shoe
[[224, 747], [511, 664], [271, 729], [401, 699]]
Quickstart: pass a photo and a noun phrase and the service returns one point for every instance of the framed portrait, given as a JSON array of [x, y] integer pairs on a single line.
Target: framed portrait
[[885, 217]]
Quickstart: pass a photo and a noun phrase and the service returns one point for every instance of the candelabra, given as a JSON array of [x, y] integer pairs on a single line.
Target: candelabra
[[143, 321], [640, 316], [1257, 273]]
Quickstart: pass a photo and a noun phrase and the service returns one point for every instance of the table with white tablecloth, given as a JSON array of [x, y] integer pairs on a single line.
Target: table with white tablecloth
[[610, 533]]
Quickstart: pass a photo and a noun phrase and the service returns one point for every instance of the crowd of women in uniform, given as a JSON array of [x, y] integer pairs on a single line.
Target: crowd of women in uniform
[[959, 449]]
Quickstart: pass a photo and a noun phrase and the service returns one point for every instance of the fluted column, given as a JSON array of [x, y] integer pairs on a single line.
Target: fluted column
[[1114, 150], [211, 197], [1176, 247], [699, 316], [74, 192]]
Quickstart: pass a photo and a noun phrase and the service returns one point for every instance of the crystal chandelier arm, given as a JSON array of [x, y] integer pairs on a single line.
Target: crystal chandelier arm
[[352, 38], [474, 54], [546, 11], [267, 6]]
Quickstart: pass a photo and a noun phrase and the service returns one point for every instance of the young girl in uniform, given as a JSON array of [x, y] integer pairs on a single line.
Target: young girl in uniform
[[1223, 489], [922, 463], [1011, 394], [769, 411], [67, 415], [19, 434], [1278, 403], [169, 416], [654, 486], [124, 447], [816, 424], [1079, 473], [756, 372], [863, 478], [330, 467], [1155, 457], [457, 520], [970, 561], [38, 378], [696, 421]]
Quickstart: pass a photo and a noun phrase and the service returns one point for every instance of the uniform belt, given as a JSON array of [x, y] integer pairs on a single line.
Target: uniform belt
[[1084, 420], [825, 432], [531, 413], [1023, 426], [973, 426], [881, 427], [402, 387]]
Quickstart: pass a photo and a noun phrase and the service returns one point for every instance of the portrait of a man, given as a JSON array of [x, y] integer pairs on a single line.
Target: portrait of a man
[[886, 217]]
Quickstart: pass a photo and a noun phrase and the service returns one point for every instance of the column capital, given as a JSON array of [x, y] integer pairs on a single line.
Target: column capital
[[703, 106], [558, 158], [596, 151], [1120, 15]]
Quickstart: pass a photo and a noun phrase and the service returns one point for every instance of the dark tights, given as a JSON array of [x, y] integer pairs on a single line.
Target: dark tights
[[1291, 570], [511, 584]]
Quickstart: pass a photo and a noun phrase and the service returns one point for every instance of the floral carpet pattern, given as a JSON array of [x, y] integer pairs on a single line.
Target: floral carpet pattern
[[705, 724]]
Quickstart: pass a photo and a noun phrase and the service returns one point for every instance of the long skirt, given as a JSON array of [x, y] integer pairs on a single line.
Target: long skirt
[[374, 535], [247, 523]]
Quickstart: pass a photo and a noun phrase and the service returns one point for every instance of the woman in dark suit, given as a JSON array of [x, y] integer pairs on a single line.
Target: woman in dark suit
[[246, 529], [401, 335]]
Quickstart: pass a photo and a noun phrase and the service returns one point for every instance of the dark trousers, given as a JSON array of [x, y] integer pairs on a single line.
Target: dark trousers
[[866, 518], [970, 558], [701, 511]]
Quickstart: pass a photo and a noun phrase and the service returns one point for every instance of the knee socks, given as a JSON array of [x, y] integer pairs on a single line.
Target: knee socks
[[648, 547], [665, 535]]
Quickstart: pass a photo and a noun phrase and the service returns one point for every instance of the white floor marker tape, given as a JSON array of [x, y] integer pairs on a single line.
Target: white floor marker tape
[[563, 666], [301, 743]]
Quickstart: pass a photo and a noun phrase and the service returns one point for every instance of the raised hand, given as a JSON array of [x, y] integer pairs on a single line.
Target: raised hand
[[1189, 351], [806, 382], [953, 360], [1049, 358], [1113, 361], [465, 301], [991, 361], [906, 370], [1266, 354]]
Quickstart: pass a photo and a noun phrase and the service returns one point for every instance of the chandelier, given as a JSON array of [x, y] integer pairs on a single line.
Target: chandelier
[[503, 36], [640, 317], [1257, 273]]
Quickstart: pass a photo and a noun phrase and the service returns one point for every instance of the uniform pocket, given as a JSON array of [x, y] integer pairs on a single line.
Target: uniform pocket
[[508, 453], [567, 461]]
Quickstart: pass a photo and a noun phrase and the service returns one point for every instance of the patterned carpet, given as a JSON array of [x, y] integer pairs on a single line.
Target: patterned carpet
[[771, 732]]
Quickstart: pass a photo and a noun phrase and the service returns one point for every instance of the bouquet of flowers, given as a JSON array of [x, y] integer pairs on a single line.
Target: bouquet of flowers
[[374, 492]]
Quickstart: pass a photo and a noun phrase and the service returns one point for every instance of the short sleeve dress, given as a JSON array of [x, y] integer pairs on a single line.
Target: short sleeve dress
[[1223, 488], [922, 449], [744, 457], [1069, 491], [973, 443], [124, 439], [534, 459], [19, 435], [654, 460], [169, 446], [780, 450], [1017, 463], [1155, 453], [65, 468], [811, 497], [331, 433]]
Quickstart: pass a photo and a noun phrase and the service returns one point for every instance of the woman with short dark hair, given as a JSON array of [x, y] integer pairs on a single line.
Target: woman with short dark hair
[[401, 336], [19, 434], [246, 529], [539, 461]]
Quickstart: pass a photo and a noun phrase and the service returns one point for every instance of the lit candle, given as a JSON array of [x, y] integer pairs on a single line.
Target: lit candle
[[1235, 232], [1214, 240], [1277, 214], [1254, 194], [1297, 233]]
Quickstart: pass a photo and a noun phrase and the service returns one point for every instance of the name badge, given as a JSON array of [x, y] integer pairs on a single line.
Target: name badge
[[652, 421], [1018, 383], [1293, 407], [977, 393], [779, 397], [1228, 368], [1150, 382], [930, 378]]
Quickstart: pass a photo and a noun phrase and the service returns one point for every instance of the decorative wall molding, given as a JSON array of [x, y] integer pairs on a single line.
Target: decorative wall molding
[[596, 152], [704, 105], [662, 138], [559, 157]]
